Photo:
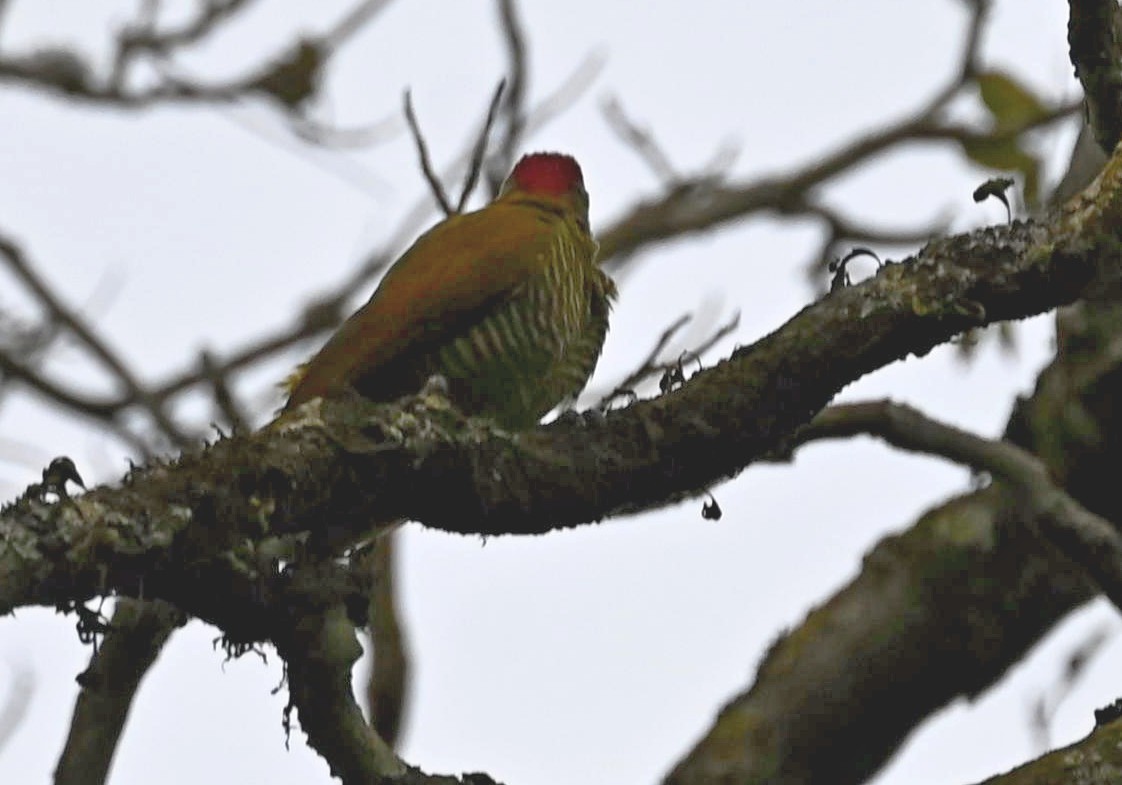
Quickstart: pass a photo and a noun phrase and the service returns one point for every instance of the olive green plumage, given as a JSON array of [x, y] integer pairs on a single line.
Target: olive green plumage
[[507, 303]]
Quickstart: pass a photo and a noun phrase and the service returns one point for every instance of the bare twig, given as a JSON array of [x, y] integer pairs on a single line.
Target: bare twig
[[142, 29], [323, 135], [357, 18], [224, 397], [63, 71], [146, 36], [72, 400], [1048, 703], [84, 333], [650, 366], [431, 178], [979, 15], [517, 79], [67, 398], [291, 79], [640, 140], [555, 103], [30, 345], [136, 635], [480, 150], [566, 93], [699, 204], [647, 367]]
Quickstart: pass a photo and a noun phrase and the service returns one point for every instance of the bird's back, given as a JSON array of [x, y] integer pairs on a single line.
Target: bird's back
[[507, 303]]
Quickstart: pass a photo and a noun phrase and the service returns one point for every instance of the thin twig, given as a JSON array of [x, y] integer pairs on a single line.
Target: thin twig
[[517, 78], [98, 410], [646, 367], [357, 18], [224, 397], [1052, 698], [132, 37], [144, 35], [640, 141], [480, 150], [650, 366], [565, 94], [552, 105], [979, 15], [435, 185], [697, 204], [18, 263], [358, 137]]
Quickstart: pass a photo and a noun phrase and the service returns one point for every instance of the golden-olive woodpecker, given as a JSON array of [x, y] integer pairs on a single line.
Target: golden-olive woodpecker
[[506, 303]]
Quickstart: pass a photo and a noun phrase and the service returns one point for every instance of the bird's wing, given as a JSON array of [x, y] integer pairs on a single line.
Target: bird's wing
[[461, 267]]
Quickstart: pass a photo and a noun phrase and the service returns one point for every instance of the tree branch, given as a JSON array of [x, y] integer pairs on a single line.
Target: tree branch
[[1086, 538], [1094, 35], [137, 633], [387, 684], [315, 635], [945, 607], [351, 463], [696, 205]]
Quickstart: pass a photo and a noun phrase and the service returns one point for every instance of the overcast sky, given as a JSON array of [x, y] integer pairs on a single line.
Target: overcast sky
[[597, 655]]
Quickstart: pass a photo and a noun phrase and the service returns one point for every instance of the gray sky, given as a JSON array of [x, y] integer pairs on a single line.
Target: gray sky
[[593, 655]]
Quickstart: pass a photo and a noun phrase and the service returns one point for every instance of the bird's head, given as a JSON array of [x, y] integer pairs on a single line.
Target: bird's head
[[552, 176]]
